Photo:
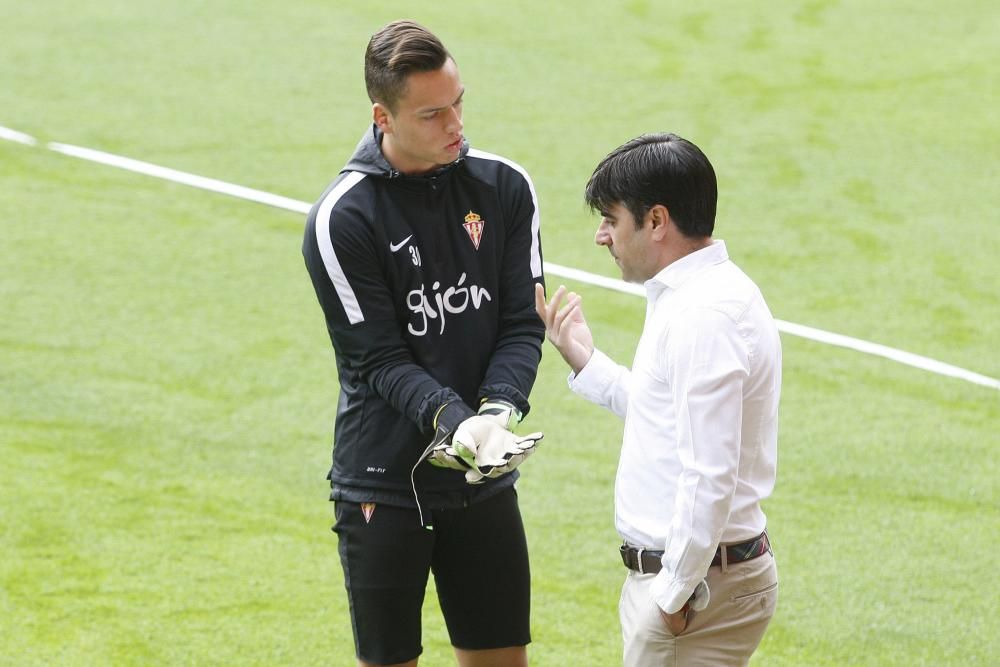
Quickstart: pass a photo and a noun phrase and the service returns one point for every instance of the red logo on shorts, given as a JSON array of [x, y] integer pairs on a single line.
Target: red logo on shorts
[[368, 509]]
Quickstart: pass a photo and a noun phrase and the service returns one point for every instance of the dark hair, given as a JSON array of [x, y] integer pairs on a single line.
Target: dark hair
[[658, 169], [395, 51]]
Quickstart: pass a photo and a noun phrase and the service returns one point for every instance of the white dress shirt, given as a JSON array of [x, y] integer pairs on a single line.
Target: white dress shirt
[[700, 406]]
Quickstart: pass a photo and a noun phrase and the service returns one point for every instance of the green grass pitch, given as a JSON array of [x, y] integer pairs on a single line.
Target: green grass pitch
[[167, 388]]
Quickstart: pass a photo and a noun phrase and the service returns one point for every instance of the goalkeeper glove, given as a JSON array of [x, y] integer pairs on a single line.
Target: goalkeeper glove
[[501, 411], [440, 452], [488, 449]]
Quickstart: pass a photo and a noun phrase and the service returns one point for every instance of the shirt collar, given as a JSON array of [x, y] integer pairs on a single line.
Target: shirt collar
[[680, 271]]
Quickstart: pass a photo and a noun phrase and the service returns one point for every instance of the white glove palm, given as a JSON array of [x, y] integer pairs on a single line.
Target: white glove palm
[[489, 449]]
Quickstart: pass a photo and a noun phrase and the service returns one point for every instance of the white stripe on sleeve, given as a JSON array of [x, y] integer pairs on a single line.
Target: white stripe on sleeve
[[536, 255], [330, 261]]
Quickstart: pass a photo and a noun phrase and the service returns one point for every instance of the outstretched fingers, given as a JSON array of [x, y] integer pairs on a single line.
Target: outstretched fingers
[[553, 313], [565, 326], [548, 311], [566, 314]]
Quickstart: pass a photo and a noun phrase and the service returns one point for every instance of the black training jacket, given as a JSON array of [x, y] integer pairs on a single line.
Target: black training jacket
[[427, 285]]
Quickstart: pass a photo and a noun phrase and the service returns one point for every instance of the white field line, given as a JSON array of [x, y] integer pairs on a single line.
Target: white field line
[[907, 358], [19, 137], [181, 177]]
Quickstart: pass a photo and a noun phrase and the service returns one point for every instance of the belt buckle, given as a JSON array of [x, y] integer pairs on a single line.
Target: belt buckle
[[638, 560]]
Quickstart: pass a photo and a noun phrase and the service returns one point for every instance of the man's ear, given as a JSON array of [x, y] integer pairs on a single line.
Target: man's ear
[[658, 217], [382, 117]]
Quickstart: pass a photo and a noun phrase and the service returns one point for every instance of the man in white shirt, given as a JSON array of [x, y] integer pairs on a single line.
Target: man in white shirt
[[700, 406]]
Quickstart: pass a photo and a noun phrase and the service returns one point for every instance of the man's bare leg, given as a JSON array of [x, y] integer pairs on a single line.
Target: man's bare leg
[[511, 656]]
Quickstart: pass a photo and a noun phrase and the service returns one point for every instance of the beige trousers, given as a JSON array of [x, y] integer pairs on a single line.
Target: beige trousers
[[725, 633]]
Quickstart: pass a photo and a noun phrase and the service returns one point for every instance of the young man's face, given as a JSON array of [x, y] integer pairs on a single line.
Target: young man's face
[[629, 246], [425, 130]]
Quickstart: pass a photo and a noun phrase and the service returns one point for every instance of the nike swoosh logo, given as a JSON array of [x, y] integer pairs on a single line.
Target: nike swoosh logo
[[393, 247]]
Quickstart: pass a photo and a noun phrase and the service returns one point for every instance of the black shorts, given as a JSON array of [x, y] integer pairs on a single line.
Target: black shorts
[[479, 557]]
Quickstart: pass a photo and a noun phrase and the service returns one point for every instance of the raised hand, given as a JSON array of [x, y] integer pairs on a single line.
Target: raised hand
[[565, 327]]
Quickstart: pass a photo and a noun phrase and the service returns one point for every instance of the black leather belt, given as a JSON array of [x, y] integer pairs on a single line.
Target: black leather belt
[[647, 561]]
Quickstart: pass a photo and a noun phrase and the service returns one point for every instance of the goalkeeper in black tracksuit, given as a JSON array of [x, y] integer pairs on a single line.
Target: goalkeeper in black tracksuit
[[424, 255]]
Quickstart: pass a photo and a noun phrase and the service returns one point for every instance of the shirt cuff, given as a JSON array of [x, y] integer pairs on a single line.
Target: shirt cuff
[[594, 379], [670, 594]]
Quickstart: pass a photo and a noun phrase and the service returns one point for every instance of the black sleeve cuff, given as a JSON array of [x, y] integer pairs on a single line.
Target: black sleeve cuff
[[508, 393], [453, 414]]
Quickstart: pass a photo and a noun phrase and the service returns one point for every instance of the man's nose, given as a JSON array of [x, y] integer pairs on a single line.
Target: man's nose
[[454, 121], [602, 237]]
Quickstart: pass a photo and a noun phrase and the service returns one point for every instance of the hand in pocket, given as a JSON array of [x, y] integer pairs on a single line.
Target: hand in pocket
[[678, 621]]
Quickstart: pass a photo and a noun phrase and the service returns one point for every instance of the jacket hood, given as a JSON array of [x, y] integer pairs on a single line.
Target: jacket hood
[[368, 157]]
